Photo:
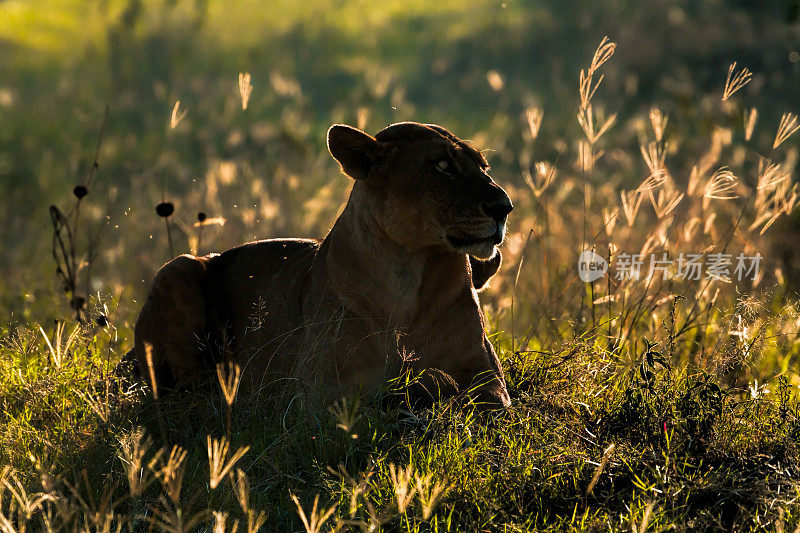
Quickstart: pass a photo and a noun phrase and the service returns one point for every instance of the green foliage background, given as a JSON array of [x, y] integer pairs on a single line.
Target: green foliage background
[[315, 63]]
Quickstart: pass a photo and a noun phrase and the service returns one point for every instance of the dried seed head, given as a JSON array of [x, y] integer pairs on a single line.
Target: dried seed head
[[346, 415], [314, 520], [594, 124], [80, 191], [242, 490], [789, 124], [151, 368], [722, 185], [229, 375], [134, 446], [655, 180], [430, 492], [404, 490], [610, 220], [534, 116], [176, 116], [218, 464], [603, 53], [245, 88], [171, 474], [750, 119], [654, 155], [658, 121], [165, 209], [735, 80], [665, 202], [631, 201], [587, 86]]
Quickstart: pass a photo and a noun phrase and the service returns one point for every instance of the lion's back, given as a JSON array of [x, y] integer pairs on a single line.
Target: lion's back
[[256, 290], [277, 258]]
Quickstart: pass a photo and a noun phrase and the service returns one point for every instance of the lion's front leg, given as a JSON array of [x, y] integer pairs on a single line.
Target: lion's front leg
[[476, 376], [456, 346], [489, 386], [342, 354]]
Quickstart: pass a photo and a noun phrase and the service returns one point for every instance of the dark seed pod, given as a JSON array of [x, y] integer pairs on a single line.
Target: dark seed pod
[[101, 321], [165, 209], [201, 217], [80, 191]]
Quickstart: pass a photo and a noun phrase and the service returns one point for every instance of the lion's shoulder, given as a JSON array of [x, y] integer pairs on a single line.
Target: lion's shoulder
[[258, 252], [263, 267]]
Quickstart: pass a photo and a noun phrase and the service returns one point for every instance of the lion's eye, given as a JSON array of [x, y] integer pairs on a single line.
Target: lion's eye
[[443, 165]]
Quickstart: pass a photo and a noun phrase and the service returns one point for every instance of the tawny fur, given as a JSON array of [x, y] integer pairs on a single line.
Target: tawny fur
[[396, 276]]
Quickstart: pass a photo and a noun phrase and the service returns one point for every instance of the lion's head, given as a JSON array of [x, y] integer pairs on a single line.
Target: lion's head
[[425, 187]]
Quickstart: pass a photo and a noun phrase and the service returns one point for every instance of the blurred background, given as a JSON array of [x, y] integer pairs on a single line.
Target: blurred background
[[504, 74]]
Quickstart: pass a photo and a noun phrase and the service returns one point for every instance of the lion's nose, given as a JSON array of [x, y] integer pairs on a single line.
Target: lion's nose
[[498, 210]]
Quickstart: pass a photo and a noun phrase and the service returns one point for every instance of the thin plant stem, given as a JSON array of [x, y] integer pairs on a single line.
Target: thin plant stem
[[169, 238]]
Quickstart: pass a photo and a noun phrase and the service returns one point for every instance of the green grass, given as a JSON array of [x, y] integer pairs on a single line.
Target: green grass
[[658, 446]]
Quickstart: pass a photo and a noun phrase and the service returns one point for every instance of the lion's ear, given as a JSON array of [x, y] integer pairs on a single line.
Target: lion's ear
[[353, 149], [484, 269]]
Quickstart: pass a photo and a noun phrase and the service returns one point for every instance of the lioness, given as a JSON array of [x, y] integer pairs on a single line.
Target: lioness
[[393, 283]]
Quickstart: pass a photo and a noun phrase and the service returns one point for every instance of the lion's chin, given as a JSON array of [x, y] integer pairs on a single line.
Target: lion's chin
[[483, 250], [478, 248]]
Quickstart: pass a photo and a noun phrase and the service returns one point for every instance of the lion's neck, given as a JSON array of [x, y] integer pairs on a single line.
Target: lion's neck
[[379, 278]]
